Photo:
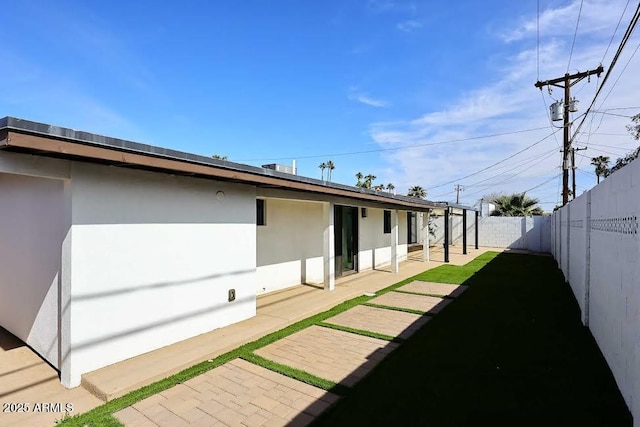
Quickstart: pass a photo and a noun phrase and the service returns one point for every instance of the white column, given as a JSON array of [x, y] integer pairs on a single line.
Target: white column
[[329, 249], [68, 373], [394, 241], [425, 237]]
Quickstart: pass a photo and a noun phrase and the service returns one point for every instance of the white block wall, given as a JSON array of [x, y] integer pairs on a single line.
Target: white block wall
[[31, 235], [530, 233], [601, 263], [151, 258], [455, 230]]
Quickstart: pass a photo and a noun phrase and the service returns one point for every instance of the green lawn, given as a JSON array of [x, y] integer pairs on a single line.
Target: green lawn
[[510, 351]]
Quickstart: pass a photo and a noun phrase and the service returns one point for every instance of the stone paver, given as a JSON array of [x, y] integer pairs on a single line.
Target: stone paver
[[433, 288], [422, 303], [380, 320], [237, 393], [334, 355]]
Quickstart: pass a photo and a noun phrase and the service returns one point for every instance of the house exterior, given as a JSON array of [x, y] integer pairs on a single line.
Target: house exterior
[[110, 249]]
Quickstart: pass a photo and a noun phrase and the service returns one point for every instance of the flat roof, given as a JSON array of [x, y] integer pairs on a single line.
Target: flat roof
[[55, 141]]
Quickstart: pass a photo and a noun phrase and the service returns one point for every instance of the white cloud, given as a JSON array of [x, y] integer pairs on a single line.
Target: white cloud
[[596, 16], [511, 103], [408, 26], [355, 95]]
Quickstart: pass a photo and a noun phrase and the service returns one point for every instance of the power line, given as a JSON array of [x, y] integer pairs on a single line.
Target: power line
[[510, 178], [574, 36], [623, 42], [496, 163], [543, 183], [615, 31], [404, 147]]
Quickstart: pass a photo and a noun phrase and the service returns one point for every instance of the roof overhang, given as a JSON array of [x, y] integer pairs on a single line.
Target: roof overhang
[[52, 141]]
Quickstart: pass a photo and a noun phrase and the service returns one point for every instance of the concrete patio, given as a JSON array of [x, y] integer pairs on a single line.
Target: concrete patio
[[275, 311]]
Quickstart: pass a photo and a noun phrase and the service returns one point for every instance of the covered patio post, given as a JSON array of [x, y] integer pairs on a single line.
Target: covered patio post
[[328, 253], [394, 241], [425, 237], [476, 229], [446, 234], [464, 231]]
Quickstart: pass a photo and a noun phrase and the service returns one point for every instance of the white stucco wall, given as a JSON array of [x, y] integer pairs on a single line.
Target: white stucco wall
[[31, 235], [289, 246], [152, 257], [374, 245]]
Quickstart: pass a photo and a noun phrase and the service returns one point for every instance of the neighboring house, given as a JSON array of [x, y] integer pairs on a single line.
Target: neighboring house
[[110, 249]]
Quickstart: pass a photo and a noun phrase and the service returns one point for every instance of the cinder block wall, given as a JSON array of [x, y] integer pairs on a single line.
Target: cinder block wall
[[532, 233], [596, 242]]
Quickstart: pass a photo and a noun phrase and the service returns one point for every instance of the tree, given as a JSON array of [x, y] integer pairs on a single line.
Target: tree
[[634, 127], [359, 176], [417, 191], [322, 167], [390, 187], [634, 130], [368, 180], [602, 164], [330, 167], [516, 204], [219, 157]]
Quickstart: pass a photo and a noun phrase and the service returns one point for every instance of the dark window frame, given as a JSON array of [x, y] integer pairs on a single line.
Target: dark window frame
[[387, 222], [261, 212]]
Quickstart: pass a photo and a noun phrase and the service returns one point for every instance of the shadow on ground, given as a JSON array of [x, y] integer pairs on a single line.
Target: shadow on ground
[[510, 351]]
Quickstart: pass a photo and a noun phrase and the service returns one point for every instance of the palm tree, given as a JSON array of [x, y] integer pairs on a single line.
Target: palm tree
[[368, 180], [322, 167], [219, 157], [390, 187], [516, 204], [359, 176], [331, 167], [602, 164], [417, 191]]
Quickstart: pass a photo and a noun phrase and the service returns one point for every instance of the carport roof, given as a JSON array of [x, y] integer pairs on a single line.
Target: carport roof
[[54, 141]]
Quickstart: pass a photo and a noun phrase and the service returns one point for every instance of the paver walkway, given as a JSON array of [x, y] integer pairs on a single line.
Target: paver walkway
[[422, 303], [373, 319], [433, 288], [341, 357], [237, 393]]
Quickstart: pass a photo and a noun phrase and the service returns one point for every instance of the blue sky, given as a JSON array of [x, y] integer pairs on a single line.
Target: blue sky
[[266, 82]]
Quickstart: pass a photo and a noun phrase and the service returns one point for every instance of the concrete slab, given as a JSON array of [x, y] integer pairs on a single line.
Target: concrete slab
[[30, 389], [387, 322], [422, 303], [237, 393], [432, 288], [334, 355]]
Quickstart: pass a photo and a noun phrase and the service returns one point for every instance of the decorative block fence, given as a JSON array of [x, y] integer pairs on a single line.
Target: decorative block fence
[[596, 242]]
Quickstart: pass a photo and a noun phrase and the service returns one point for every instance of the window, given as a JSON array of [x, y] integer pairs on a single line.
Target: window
[[387, 222], [261, 217]]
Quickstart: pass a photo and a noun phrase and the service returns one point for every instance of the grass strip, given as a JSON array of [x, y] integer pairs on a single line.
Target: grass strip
[[422, 294], [296, 374], [362, 332], [102, 415], [388, 307]]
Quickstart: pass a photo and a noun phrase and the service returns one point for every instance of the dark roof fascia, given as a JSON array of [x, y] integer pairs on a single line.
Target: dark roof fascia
[[116, 144]]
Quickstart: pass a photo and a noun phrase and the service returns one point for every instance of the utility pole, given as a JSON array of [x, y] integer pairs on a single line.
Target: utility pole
[[567, 81], [458, 189], [573, 168]]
